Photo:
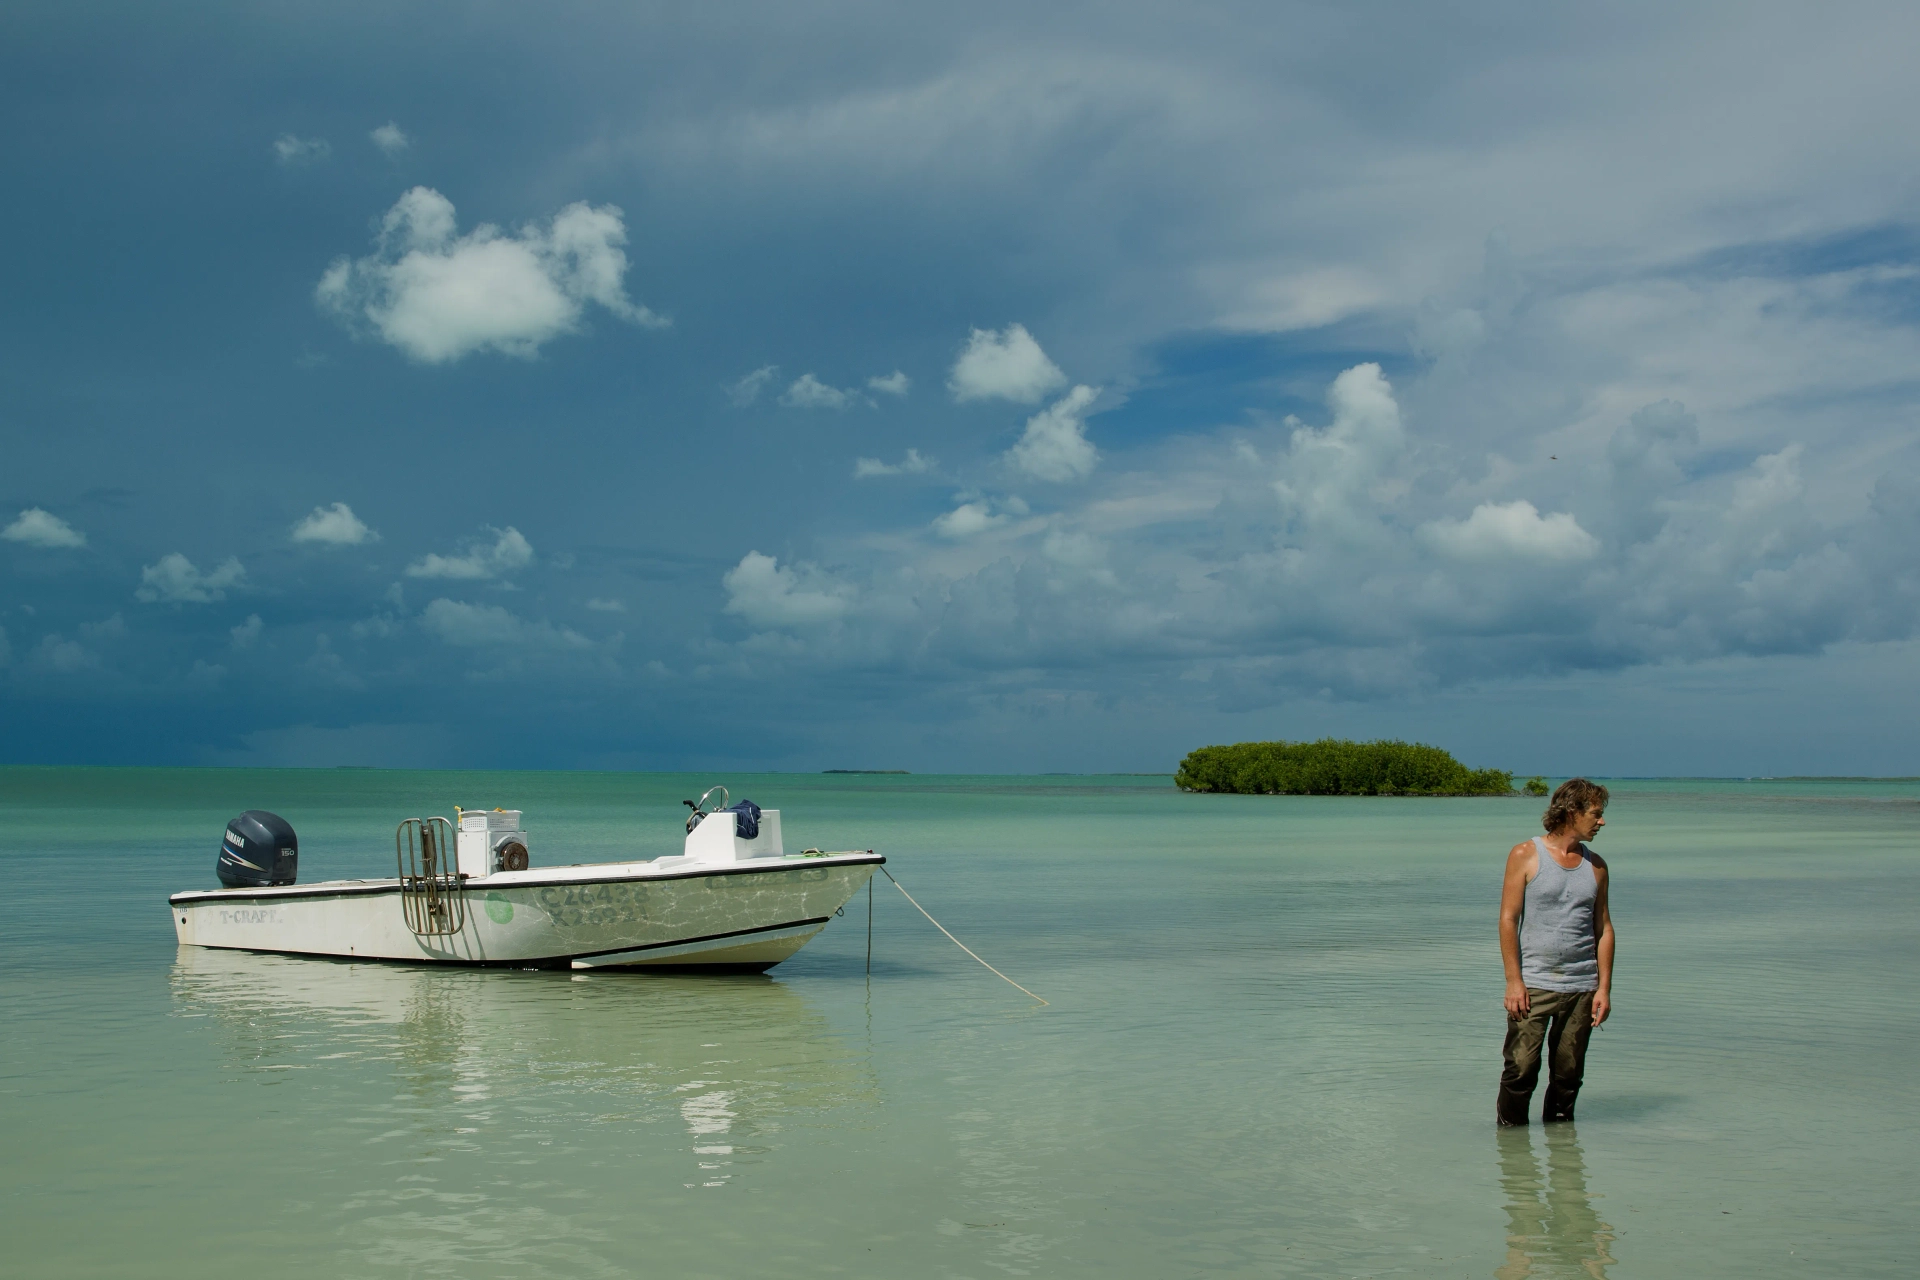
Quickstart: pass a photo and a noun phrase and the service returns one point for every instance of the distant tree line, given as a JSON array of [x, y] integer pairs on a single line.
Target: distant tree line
[[1336, 767]]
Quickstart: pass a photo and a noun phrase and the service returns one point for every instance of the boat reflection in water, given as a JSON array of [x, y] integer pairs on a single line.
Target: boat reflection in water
[[1552, 1228], [444, 1103]]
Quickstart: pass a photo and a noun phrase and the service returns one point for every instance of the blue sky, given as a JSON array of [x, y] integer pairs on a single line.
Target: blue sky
[[891, 386]]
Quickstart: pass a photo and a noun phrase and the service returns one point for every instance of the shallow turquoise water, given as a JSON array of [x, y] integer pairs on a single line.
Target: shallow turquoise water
[[1271, 1049]]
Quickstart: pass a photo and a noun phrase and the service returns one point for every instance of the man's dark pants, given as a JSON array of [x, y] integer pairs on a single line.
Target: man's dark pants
[[1558, 1023]]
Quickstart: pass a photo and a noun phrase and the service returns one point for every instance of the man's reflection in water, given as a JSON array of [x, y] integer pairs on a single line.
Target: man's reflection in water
[[1552, 1229]]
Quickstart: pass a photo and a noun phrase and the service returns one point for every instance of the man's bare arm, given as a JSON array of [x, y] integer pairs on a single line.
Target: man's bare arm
[[1603, 925], [1513, 900]]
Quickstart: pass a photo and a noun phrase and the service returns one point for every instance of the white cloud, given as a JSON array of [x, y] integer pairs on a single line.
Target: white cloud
[[766, 595], [1513, 530], [744, 392], [1055, 446], [378, 627], [389, 138], [1219, 179], [1291, 298], [292, 151], [509, 551], [479, 626], [335, 525], [175, 580], [1645, 465], [439, 296], [603, 605], [911, 465], [39, 528], [894, 384], [808, 392], [63, 655], [246, 633], [1360, 558], [1331, 483], [56, 653], [967, 519], [1008, 365], [1080, 551], [326, 665]]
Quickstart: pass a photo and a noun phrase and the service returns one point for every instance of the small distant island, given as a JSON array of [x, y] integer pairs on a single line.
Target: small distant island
[[1337, 767], [864, 771]]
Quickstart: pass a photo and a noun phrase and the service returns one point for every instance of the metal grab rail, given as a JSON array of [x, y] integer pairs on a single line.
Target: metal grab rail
[[431, 895]]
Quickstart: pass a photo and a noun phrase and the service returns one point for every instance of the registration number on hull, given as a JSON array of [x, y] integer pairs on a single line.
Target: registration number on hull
[[571, 907]]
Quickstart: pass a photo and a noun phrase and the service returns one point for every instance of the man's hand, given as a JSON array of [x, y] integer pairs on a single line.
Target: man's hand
[[1517, 1002], [1602, 1006]]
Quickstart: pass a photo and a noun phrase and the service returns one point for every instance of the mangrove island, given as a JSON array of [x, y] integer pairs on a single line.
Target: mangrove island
[[1336, 767]]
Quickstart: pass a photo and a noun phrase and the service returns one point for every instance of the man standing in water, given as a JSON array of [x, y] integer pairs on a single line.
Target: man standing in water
[[1556, 940]]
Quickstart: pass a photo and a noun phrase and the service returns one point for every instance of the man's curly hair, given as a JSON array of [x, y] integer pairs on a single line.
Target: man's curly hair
[[1573, 797]]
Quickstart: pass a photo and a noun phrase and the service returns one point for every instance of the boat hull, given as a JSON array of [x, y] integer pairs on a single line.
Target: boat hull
[[745, 917]]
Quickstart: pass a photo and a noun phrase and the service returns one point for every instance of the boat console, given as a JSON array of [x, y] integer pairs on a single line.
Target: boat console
[[719, 838]]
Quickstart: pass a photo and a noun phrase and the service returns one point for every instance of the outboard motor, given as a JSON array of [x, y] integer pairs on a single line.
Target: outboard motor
[[258, 849]]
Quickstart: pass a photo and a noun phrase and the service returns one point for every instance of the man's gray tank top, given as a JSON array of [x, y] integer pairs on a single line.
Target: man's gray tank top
[[1559, 946]]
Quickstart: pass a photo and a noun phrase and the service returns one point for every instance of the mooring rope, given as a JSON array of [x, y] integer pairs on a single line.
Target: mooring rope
[[956, 942]]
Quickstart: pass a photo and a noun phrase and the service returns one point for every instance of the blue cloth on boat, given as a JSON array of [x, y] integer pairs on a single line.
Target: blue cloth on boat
[[746, 819]]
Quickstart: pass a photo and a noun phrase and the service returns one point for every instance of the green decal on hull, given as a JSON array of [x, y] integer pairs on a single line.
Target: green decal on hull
[[499, 910]]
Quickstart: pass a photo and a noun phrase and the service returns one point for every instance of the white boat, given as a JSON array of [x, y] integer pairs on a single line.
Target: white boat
[[466, 894]]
